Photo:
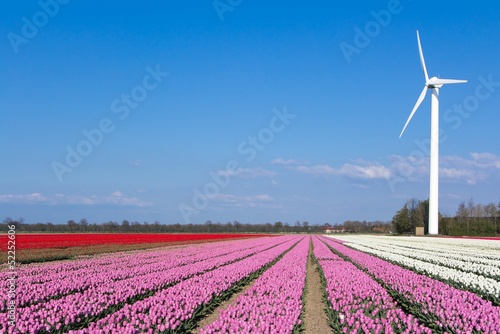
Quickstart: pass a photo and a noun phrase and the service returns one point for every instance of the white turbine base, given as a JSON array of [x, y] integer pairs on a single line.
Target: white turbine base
[[434, 166]]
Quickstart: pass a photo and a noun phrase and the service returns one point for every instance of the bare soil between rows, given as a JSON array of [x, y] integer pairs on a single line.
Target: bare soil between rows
[[315, 318]]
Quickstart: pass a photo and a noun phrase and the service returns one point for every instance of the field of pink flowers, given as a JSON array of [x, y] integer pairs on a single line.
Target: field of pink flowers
[[170, 290]]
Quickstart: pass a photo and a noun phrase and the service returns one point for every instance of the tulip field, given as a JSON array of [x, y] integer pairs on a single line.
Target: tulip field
[[439, 307], [43, 247], [370, 284]]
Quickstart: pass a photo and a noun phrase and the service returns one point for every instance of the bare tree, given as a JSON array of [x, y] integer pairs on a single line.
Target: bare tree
[[84, 223], [125, 225], [71, 225], [492, 213]]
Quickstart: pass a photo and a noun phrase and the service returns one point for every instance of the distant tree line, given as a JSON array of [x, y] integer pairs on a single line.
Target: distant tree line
[[473, 219], [470, 219], [83, 226]]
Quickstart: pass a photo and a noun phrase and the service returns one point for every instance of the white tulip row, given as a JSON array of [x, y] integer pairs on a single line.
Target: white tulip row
[[486, 267], [483, 252], [439, 264]]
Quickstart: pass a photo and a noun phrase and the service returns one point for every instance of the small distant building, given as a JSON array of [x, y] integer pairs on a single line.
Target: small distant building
[[419, 230], [381, 229], [330, 230]]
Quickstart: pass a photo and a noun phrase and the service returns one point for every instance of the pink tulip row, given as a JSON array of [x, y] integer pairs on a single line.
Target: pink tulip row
[[456, 310], [106, 292], [52, 281], [169, 308], [41, 273], [39, 270], [274, 302], [360, 303], [49, 284]]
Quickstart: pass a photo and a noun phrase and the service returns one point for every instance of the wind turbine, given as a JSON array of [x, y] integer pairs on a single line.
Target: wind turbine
[[434, 84]]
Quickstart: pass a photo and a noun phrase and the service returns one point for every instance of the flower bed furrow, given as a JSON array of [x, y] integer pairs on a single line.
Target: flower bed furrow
[[78, 309], [438, 305], [273, 304], [171, 310], [360, 304]]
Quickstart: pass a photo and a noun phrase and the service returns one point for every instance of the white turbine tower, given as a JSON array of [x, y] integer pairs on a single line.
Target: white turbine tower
[[434, 84]]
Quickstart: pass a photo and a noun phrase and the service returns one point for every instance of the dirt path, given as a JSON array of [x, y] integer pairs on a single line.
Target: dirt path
[[315, 319], [215, 314]]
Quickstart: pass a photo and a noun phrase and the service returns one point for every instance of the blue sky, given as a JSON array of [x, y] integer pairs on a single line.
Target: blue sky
[[242, 110]]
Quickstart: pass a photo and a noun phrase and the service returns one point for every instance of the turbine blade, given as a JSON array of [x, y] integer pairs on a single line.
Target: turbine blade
[[422, 61], [419, 101], [438, 81]]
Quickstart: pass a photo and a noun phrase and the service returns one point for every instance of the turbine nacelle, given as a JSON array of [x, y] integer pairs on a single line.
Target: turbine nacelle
[[431, 83], [436, 82]]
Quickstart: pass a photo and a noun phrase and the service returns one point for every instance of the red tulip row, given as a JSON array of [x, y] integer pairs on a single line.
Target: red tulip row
[[50, 240]]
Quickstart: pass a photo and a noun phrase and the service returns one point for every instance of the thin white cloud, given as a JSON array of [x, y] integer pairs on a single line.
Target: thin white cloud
[[297, 198], [115, 198], [135, 163], [486, 160], [478, 167], [318, 170], [248, 173], [364, 170], [25, 198], [412, 168], [283, 162], [367, 172], [117, 193], [76, 200], [231, 200], [467, 175]]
